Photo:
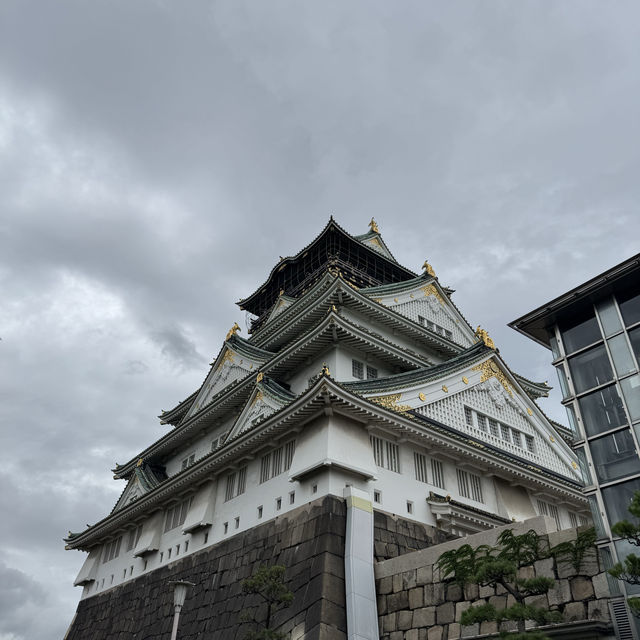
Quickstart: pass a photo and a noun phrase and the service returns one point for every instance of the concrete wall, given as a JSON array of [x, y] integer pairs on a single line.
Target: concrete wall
[[414, 603]]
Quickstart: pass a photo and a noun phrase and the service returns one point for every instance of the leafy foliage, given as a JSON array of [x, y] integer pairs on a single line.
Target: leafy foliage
[[268, 583], [573, 552], [498, 565]]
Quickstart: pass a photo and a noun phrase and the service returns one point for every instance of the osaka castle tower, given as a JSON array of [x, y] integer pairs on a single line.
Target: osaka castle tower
[[361, 418]]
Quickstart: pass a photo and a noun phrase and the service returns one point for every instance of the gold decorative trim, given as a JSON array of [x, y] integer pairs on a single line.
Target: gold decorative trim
[[233, 330], [574, 465], [430, 290], [445, 389], [529, 411], [227, 357], [429, 269], [395, 299], [378, 300], [483, 335], [391, 402], [260, 376], [552, 439], [325, 369], [490, 369], [465, 379], [422, 397], [259, 396]]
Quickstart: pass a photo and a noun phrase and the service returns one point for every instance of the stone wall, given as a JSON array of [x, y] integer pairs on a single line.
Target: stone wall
[[414, 603], [309, 541], [394, 536]]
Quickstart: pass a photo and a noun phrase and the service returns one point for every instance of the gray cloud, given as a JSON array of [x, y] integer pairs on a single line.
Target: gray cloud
[[156, 159]]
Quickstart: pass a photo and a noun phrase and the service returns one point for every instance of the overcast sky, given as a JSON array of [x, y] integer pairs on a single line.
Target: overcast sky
[[157, 157]]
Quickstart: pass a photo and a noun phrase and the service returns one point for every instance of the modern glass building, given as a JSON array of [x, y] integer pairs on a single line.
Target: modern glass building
[[593, 332]]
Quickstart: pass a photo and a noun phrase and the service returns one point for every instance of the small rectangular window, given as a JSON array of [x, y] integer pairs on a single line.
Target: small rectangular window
[[430, 325], [504, 432], [187, 462], [409, 507], [259, 512], [448, 334], [377, 497], [422, 320], [530, 442], [206, 538], [169, 554], [357, 369], [237, 522], [242, 481], [177, 549], [314, 488], [225, 526], [516, 436], [278, 504], [265, 468], [437, 473], [476, 487], [372, 372], [289, 450], [493, 428], [463, 483], [186, 546], [292, 497], [573, 519]]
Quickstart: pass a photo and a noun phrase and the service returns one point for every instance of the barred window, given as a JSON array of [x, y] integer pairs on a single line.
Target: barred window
[[482, 422], [584, 521], [517, 438], [187, 462], [276, 462], [236, 484], [265, 468], [469, 485], [112, 550], [437, 473], [548, 509], [372, 372], [176, 515], [468, 416], [357, 369], [289, 450], [420, 464], [493, 427], [386, 454], [504, 430], [230, 491], [573, 519], [134, 536]]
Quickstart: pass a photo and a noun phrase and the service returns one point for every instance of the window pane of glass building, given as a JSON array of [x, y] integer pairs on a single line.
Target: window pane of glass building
[[634, 337], [562, 379], [580, 334], [553, 342], [609, 317], [590, 369], [615, 456], [622, 359], [602, 410], [630, 308], [571, 415], [584, 468], [617, 498], [597, 517], [631, 392]]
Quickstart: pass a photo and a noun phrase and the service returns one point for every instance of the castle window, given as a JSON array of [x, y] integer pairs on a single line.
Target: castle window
[[409, 506], [468, 416], [278, 504], [206, 538], [420, 465], [237, 522], [548, 509], [175, 516], [289, 450], [134, 536], [177, 549], [504, 431], [493, 428], [187, 462], [292, 497], [386, 454], [530, 442], [377, 496], [482, 422], [314, 488], [169, 553], [437, 473], [573, 519], [517, 438], [236, 484], [112, 550], [469, 485], [186, 546], [271, 463], [259, 512], [225, 527], [357, 369], [372, 372]]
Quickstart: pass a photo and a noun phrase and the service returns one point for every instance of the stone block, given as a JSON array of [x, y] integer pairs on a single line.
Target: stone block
[[422, 634], [397, 601], [601, 585], [471, 592], [486, 592], [566, 535], [598, 610], [434, 594], [404, 620], [445, 613], [454, 631], [424, 575], [397, 583], [544, 568], [526, 573], [412, 634], [416, 598], [397, 635], [381, 603], [460, 608], [559, 593], [385, 585], [409, 579], [454, 592], [581, 588], [539, 601], [425, 617], [435, 633], [389, 623], [488, 627], [470, 631], [499, 602], [574, 611]]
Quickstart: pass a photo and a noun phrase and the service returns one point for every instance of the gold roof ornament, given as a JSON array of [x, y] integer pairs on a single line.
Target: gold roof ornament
[[325, 369], [233, 331], [139, 463], [260, 376], [374, 226], [483, 334], [429, 269], [281, 292]]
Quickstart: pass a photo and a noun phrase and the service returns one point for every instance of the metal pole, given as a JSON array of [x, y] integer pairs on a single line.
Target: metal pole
[[180, 588]]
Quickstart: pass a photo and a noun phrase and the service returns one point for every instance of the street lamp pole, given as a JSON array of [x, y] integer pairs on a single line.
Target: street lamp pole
[[180, 588]]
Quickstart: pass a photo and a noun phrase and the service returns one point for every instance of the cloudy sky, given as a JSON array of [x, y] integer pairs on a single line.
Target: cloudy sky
[[157, 157]]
